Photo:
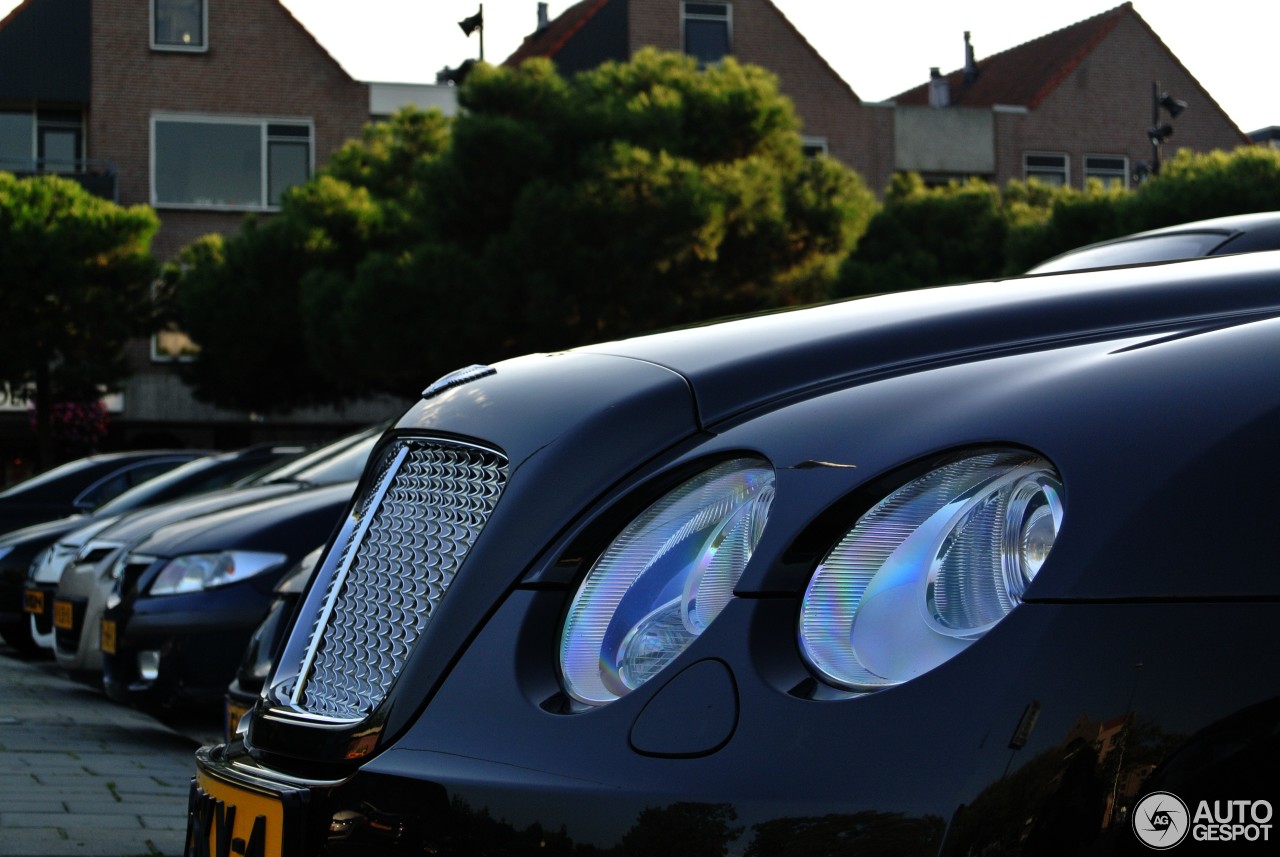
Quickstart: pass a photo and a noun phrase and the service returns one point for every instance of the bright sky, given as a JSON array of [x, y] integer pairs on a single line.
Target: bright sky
[[880, 48]]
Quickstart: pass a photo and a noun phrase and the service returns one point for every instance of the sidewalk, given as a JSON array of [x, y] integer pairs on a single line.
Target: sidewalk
[[82, 775]]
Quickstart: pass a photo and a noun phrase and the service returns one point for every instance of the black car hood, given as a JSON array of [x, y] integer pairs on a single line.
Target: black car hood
[[739, 365], [45, 532], [246, 526], [143, 522]]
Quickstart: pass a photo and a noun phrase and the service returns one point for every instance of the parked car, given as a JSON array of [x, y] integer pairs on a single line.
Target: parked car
[[84, 484], [199, 475], [1237, 233], [85, 564], [265, 643], [78, 486], [971, 570], [187, 597]]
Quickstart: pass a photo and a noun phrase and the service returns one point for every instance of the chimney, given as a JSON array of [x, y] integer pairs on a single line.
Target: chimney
[[543, 19], [970, 65], [939, 89]]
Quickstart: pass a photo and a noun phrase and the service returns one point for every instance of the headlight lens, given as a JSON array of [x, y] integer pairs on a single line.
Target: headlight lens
[[663, 580], [196, 572], [929, 569]]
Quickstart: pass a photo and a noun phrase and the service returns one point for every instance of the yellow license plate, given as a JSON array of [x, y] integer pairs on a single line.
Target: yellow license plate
[[222, 814], [63, 615], [234, 712], [33, 601], [108, 640]]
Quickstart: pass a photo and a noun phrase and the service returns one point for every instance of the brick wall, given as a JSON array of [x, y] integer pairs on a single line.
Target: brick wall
[[859, 136], [1104, 108], [260, 63]]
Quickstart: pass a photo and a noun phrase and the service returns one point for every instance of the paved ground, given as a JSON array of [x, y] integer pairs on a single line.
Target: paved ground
[[81, 775]]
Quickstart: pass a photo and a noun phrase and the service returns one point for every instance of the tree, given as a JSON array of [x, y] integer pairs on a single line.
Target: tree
[[77, 274], [926, 237], [552, 212]]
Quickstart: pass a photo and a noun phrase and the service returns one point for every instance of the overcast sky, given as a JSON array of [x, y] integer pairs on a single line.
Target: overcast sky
[[880, 48]]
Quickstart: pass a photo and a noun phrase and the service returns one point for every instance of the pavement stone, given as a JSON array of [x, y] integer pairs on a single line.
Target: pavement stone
[[81, 776]]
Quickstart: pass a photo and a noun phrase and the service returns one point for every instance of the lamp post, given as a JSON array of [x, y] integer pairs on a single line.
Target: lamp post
[[1158, 133], [470, 25]]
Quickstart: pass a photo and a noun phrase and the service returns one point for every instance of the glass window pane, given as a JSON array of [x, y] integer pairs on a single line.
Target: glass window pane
[[288, 164], [15, 140], [208, 163], [59, 150], [706, 41], [180, 23]]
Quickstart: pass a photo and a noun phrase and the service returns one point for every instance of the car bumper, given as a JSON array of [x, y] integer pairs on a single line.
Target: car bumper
[[179, 650], [1001, 749]]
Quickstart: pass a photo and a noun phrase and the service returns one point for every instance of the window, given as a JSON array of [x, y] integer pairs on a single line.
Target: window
[[1047, 168], [179, 25], [813, 146], [1111, 170], [209, 162], [43, 141], [17, 139], [707, 31]]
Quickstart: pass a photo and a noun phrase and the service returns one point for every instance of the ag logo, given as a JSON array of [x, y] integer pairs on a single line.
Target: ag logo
[[1161, 820]]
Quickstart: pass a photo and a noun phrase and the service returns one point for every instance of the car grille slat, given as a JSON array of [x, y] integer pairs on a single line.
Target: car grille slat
[[423, 513]]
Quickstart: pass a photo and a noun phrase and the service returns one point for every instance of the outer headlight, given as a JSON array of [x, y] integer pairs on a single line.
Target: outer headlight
[[930, 569], [663, 580], [195, 572]]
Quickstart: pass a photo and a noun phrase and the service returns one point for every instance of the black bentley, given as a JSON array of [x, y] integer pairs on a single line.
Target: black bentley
[[983, 569]]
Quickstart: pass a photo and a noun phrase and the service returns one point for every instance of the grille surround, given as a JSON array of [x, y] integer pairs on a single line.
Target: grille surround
[[413, 528]]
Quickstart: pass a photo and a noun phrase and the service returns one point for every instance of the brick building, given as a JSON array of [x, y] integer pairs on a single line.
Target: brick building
[[835, 120], [204, 109], [1072, 105]]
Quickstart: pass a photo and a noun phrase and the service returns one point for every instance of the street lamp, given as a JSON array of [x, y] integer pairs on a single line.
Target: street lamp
[[1158, 133], [470, 25]]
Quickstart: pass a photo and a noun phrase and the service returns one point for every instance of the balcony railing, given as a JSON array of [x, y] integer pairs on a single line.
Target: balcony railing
[[96, 176]]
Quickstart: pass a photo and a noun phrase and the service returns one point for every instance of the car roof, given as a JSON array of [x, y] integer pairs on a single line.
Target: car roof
[[1236, 233]]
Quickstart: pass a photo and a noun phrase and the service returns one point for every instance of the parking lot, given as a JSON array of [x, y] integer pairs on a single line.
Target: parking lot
[[81, 775]]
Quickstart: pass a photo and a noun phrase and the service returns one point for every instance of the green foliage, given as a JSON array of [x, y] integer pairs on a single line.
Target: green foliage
[[934, 236], [550, 213], [927, 236], [1044, 221], [1194, 186], [77, 273]]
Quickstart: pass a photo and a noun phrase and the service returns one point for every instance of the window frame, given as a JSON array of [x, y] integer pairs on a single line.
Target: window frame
[[1123, 176], [813, 145], [1027, 167], [686, 15], [201, 48], [263, 123]]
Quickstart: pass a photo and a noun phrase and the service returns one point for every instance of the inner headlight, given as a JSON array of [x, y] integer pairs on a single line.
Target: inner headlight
[[195, 572], [663, 580], [929, 569]]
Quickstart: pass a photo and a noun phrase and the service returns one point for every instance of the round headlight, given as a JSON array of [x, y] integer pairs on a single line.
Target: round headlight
[[929, 569], [663, 580]]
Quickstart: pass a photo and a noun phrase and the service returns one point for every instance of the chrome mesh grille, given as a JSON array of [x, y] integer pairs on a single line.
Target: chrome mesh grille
[[426, 510]]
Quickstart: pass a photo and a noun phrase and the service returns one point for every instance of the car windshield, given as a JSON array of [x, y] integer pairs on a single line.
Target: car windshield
[[341, 461], [203, 474], [1136, 251], [35, 483]]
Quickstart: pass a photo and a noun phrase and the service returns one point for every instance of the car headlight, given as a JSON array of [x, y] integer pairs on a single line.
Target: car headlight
[[663, 580], [195, 572], [929, 569]]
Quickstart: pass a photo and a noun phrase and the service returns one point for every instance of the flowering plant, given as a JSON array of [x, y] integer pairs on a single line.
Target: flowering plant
[[81, 423]]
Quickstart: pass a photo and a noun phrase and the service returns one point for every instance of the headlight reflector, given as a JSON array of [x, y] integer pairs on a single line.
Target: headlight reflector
[[929, 569], [196, 572], [663, 580]]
